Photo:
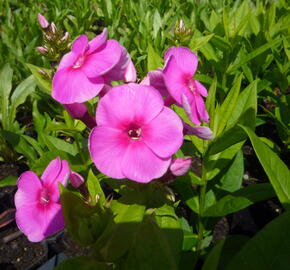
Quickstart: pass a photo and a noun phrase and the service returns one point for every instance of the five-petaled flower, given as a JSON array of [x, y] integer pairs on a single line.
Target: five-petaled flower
[[136, 135], [37, 201], [80, 74]]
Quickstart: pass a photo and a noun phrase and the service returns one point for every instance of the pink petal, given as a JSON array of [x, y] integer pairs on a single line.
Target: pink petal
[[68, 60], [125, 103], [30, 221], [102, 61], [186, 60], [72, 85], [40, 221], [190, 110], [29, 186], [80, 45], [200, 88], [203, 115], [180, 166], [107, 147], [76, 110], [163, 135], [174, 79], [56, 171], [54, 220], [142, 165], [98, 41], [130, 73], [157, 81], [118, 72]]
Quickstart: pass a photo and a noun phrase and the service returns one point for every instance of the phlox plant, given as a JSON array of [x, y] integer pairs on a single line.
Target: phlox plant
[[128, 199]]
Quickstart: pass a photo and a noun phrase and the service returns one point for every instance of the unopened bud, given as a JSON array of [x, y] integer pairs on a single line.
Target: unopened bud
[[53, 28], [42, 21], [65, 37], [180, 166], [41, 50], [76, 179], [202, 132]]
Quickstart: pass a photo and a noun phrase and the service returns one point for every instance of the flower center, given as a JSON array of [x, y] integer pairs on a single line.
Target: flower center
[[79, 61], [135, 133], [190, 84], [44, 195]]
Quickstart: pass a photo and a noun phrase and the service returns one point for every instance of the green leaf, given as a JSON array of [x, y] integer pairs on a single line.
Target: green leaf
[[8, 181], [246, 107], [20, 145], [95, 189], [20, 94], [274, 167], [61, 144], [268, 249], [232, 180], [223, 251], [42, 82], [240, 199], [5, 89], [155, 251], [120, 233], [157, 23], [154, 61], [210, 101], [229, 105], [254, 54], [82, 263], [83, 222], [197, 43], [184, 187]]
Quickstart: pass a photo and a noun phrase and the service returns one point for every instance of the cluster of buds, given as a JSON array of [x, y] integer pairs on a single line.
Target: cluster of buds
[[182, 34], [56, 44]]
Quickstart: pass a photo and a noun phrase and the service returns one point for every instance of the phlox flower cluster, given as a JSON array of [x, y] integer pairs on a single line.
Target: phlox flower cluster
[[134, 134]]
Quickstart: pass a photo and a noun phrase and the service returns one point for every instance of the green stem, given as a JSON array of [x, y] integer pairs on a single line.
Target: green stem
[[79, 149], [202, 200]]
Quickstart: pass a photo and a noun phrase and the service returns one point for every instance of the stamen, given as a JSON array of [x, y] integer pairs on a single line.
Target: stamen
[[79, 62], [135, 134]]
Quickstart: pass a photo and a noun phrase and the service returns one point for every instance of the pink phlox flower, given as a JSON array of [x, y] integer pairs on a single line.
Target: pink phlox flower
[[76, 179], [180, 66], [37, 201], [80, 74], [136, 135]]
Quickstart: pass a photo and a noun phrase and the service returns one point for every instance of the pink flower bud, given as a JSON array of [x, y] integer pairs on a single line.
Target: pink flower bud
[[76, 179], [42, 21], [42, 50], [202, 132], [76, 110], [130, 73], [80, 111], [180, 166], [65, 37], [53, 28]]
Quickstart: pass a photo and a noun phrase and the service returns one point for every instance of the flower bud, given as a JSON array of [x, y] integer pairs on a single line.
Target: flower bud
[[53, 28], [202, 132], [42, 21], [65, 37], [76, 110], [42, 50], [180, 166], [76, 179]]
